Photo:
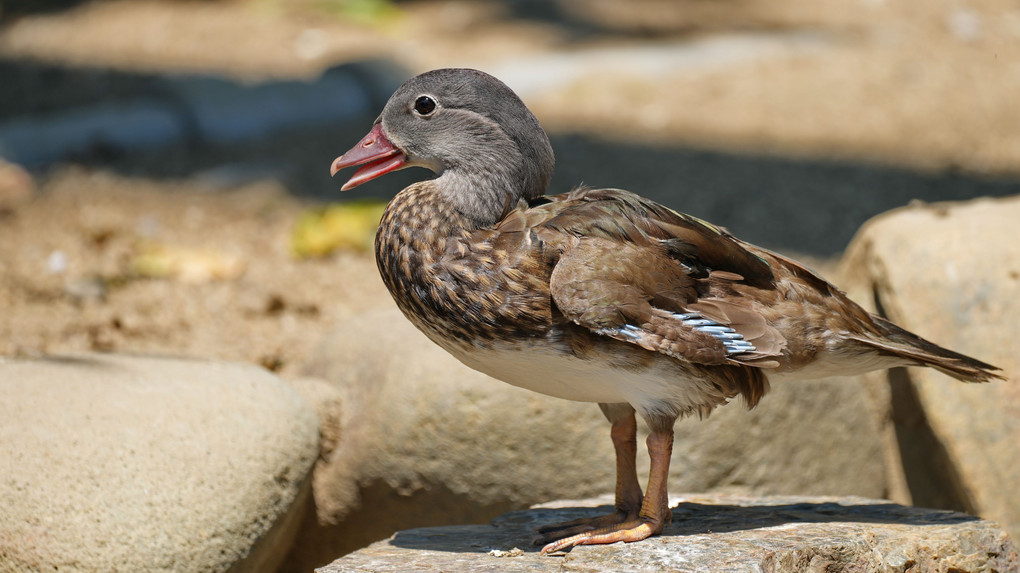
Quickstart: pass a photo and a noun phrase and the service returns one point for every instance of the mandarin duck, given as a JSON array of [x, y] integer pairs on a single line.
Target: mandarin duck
[[597, 295]]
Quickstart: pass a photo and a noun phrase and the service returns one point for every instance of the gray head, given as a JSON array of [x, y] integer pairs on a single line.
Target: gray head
[[486, 147]]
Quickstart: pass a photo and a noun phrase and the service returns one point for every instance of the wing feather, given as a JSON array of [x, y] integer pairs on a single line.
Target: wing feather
[[629, 268]]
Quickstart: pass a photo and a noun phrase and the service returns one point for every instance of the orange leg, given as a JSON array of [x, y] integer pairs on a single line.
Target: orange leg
[[628, 491], [654, 513]]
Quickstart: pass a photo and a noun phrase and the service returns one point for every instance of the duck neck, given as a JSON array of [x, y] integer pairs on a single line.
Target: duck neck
[[482, 196]]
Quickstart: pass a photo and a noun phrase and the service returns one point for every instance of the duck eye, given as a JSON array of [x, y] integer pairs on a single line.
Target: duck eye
[[424, 105]]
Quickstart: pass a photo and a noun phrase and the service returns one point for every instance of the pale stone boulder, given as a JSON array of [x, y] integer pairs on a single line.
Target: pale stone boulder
[[425, 440], [950, 273], [712, 533], [129, 463]]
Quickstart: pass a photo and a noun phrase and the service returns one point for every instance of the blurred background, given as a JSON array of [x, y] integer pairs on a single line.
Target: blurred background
[[790, 125], [164, 164]]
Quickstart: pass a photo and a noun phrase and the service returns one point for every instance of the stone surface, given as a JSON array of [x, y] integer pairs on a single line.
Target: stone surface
[[133, 463], [427, 441], [713, 533], [951, 273]]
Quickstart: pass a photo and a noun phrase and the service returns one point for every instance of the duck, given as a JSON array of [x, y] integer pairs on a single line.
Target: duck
[[597, 295]]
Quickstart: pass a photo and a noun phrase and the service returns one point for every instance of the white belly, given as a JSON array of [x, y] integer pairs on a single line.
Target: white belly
[[660, 387], [551, 373]]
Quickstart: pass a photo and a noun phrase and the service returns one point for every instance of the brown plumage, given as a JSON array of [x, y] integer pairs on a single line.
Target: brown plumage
[[597, 295]]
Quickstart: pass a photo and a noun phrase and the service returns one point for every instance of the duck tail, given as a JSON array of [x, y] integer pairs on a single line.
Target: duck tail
[[896, 341]]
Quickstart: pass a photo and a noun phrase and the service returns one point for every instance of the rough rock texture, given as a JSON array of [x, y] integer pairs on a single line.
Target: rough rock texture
[[951, 273], [714, 533], [149, 464], [427, 441]]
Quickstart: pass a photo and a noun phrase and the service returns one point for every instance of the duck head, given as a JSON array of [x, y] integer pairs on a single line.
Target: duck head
[[484, 145]]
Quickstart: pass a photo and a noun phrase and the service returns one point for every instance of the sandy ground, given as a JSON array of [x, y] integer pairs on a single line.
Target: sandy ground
[[73, 274], [930, 87]]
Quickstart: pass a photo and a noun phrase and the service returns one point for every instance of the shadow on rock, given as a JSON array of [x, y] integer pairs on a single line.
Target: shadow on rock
[[712, 532], [516, 528]]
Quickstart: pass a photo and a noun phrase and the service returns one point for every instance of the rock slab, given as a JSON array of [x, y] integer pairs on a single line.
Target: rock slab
[[712, 533], [129, 463]]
